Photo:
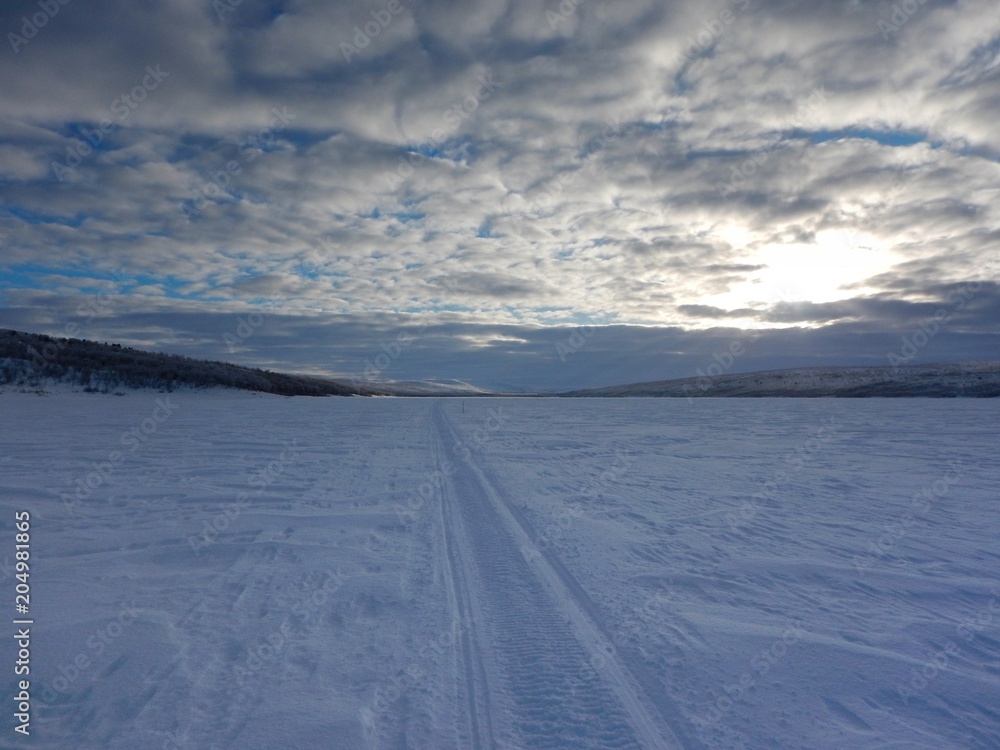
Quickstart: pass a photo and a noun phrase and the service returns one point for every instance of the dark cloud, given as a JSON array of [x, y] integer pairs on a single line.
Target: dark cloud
[[407, 347], [707, 311]]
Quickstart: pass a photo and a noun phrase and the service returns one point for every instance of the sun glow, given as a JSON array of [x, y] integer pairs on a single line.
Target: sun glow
[[800, 272]]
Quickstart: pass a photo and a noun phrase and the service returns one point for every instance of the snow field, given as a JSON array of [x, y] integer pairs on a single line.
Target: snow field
[[226, 570]]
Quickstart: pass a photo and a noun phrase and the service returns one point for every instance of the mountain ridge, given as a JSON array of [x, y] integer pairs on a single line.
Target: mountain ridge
[[30, 361], [938, 380]]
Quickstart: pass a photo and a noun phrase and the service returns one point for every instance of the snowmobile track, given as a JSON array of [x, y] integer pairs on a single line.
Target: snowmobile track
[[562, 683]]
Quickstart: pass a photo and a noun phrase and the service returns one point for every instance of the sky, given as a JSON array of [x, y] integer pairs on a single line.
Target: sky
[[522, 195]]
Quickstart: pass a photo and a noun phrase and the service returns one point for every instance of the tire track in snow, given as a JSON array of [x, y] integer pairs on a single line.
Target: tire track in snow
[[677, 726], [543, 632], [475, 682]]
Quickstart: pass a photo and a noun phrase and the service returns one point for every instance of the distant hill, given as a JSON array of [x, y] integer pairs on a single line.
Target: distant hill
[[29, 360], [34, 361], [970, 379], [443, 387]]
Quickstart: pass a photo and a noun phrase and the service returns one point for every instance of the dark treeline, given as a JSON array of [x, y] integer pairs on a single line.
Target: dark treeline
[[29, 360]]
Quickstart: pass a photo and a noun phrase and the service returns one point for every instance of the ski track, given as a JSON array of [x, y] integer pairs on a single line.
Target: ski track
[[546, 632], [474, 681]]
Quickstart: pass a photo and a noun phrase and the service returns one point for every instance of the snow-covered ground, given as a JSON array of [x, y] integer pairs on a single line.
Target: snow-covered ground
[[226, 570]]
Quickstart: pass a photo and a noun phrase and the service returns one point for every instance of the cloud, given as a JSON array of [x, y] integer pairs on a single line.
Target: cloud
[[660, 165]]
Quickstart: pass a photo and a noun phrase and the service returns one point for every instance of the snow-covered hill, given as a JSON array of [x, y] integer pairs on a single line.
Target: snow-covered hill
[[969, 379], [30, 361], [438, 387]]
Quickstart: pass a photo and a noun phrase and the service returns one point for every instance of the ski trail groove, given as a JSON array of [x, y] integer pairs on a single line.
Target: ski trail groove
[[632, 669], [542, 633], [474, 675]]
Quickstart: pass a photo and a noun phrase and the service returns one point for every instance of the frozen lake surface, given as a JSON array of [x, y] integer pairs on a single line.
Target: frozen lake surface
[[225, 570]]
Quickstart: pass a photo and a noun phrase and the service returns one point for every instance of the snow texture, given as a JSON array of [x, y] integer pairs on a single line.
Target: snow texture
[[219, 570]]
